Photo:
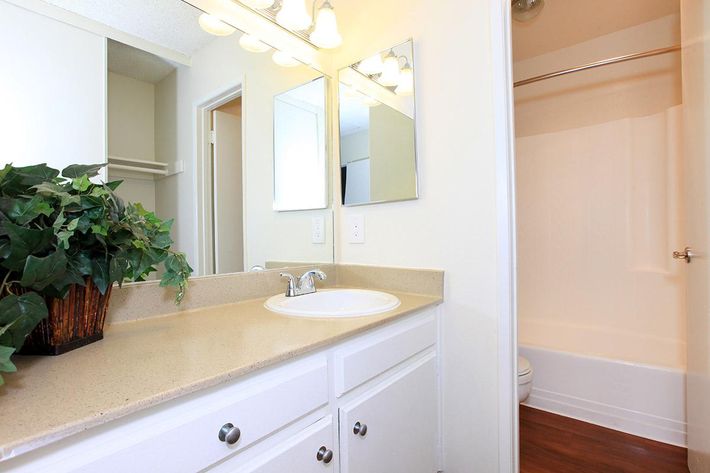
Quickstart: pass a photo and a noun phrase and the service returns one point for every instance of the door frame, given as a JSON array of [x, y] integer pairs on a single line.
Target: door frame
[[504, 136], [203, 173]]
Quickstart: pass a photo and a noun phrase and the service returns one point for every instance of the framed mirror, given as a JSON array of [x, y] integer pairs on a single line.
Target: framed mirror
[[377, 128]]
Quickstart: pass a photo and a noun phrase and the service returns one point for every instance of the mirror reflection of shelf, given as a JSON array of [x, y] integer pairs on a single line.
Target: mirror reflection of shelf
[[148, 168]]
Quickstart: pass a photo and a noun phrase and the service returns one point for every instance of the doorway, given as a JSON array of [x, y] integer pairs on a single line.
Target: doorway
[[219, 166], [608, 191], [227, 193]]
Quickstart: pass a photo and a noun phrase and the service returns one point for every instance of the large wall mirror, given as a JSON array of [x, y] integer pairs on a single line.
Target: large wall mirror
[[300, 146], [223, 142], [377, 128]]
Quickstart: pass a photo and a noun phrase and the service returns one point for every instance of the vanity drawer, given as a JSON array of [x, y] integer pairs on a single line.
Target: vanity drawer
[[297, 454], [374, 354], [257, 407]]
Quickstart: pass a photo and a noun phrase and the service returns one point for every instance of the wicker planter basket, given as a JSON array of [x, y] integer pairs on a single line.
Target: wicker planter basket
[[73, 322]]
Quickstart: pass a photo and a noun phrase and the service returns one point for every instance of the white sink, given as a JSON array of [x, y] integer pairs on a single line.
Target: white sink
[[334, 303]]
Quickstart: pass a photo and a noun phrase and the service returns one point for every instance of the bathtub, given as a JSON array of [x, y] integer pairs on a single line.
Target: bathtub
[[641, 399]]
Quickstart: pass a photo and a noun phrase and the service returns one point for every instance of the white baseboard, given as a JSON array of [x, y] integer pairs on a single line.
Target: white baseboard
[[642, 400]]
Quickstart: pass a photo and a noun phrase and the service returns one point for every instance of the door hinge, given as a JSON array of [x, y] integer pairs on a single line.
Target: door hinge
[[213, 136]]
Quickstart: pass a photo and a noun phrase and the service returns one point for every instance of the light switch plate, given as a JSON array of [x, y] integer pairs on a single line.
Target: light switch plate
[[356, 229], [318, 229]]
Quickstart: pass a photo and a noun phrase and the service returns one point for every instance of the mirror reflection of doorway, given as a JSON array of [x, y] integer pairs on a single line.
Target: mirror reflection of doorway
[[227, 200]]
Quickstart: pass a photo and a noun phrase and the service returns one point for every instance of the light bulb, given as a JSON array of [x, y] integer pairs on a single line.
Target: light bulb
[[284, 59], [214, 25], [371, 65], [326, 35], [390, 70], [252, 44], [405, 86], [293, 15], [258, 4]]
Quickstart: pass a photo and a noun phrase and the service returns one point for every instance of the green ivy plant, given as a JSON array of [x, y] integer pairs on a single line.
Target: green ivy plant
[[59, 229]]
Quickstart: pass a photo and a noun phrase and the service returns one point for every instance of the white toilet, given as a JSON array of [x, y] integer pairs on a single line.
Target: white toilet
[[525, 375]]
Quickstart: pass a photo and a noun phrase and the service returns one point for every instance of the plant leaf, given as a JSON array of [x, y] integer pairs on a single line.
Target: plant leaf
[[100, 274], [24, 242], [6, 366], [19, 180], [77, 170], [113, 185], [81, 184], [41, 272], [24, 211], [22, 314]]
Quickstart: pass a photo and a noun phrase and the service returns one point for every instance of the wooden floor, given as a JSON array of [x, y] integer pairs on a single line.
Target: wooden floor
[[554, 444]]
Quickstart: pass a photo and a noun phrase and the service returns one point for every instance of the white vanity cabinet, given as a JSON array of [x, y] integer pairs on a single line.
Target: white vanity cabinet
[[393, 427], [298, 417]]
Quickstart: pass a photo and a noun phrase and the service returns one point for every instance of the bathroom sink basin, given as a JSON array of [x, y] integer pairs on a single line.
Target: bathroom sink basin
[[335, 303]]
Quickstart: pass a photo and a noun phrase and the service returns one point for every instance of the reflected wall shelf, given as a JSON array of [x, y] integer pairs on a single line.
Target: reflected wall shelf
[[153, 168]]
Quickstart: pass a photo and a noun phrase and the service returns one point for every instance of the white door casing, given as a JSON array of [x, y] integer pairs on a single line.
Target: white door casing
[[695, 22], [227, 193]]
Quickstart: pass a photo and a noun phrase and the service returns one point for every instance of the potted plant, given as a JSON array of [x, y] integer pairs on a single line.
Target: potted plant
[[64, 241]]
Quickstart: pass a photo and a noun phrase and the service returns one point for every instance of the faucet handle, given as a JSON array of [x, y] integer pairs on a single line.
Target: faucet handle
[[291, 289], [306, 282], [315, 272]]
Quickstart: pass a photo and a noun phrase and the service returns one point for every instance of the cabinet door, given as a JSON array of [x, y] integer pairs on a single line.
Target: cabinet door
[[298, 454], [399, 416]]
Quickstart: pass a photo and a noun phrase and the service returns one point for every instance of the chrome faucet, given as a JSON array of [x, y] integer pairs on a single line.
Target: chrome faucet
[[305, 284]]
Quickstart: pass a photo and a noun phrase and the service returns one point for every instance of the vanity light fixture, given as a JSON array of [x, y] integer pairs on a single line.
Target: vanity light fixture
[[405, 85], [390, 70], [284, 59], [371, 66], [252, 44], [325, 34], [215, 26], [293, 15]]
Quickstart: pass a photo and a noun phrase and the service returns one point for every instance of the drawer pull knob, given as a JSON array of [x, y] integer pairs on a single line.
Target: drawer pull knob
[[360, 429], [324, 455], [230, 434]]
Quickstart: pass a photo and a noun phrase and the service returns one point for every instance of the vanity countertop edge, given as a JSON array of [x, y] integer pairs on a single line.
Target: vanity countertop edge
[[144, 363]]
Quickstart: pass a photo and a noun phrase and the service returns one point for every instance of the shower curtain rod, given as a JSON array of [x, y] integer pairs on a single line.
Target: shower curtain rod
[[592, 65]]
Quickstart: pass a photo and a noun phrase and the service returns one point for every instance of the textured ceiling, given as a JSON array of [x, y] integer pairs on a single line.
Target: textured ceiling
[[563, 23], [168, 23], [138, 64]]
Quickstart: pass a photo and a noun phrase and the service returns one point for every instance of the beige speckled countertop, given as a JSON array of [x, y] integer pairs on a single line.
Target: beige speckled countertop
[[143, 363]]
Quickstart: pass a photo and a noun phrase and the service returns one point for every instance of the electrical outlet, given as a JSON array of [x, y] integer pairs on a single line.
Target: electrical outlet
[[356, 229], [318, 230]]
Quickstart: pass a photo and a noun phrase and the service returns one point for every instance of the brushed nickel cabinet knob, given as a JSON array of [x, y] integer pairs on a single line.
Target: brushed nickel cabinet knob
[[230, 434], [324, 455], [360, 429]]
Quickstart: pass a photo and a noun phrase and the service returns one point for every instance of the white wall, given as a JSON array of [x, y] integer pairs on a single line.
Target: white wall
[[631, 89], [392, 155], [355, 146], [270, 235], [131, 118], [131, 134], [52, 90], [453, 225]]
